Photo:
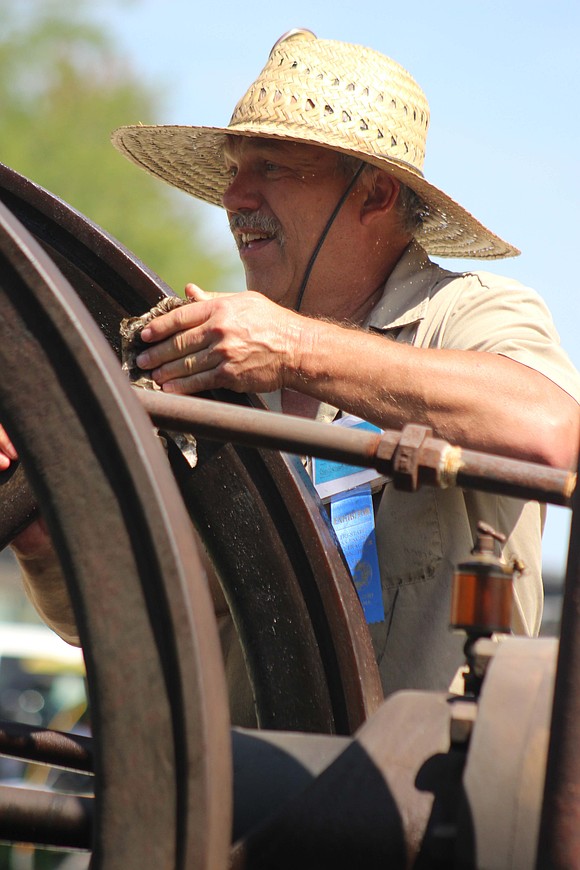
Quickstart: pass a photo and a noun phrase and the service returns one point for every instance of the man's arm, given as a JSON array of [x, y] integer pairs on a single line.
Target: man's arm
[[46, 588], [39, 566], [482, 401], [43, 580]]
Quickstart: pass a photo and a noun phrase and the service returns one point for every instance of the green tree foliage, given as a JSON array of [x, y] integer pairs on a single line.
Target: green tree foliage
[[64, 86]]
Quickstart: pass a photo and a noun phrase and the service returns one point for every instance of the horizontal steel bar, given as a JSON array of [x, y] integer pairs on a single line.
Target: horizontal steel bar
[[45, 818], [439, 463], [43, 746]]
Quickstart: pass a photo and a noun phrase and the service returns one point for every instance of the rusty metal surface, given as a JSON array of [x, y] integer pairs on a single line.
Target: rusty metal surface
[[271, 580], [428, 782], [389, 800], [109, 280], [519, 479], [18, 506], [272, 767], [106, 277], [506, 763], [113, 284], [339, 623], [58, 820], [559, 847], [156, 685]]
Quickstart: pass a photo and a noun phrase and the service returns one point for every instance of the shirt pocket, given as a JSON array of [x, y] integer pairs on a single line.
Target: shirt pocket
[[409, 539]]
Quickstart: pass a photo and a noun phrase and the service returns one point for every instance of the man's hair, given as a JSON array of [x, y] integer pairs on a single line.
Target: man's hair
[[410, 207]]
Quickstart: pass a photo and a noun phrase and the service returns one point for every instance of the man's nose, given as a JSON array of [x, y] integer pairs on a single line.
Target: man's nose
[[241, 194]]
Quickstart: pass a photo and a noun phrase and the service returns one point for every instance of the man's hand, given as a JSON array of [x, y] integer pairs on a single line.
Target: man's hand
[[34, 541], [7, 452], [44, 581], [243, 342]]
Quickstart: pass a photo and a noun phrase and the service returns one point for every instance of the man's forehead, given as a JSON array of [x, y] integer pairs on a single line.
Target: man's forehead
[[236, 145]]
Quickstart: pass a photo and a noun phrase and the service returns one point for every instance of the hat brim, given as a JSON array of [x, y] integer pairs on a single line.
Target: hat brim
[[191, 159]]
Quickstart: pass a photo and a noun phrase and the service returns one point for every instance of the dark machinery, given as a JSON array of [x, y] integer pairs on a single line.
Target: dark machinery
[[287, 542], [418, 780]]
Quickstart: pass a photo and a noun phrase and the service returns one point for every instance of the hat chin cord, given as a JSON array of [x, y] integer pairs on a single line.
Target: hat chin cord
[[324, 234]]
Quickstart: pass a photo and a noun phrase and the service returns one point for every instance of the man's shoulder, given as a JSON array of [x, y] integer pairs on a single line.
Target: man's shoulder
[[435, 281]]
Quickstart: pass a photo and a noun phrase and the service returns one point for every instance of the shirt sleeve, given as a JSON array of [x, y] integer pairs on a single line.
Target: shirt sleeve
[[485, 312]]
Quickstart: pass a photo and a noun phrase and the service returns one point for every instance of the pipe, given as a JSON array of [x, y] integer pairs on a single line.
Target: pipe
[[41, 746], [412, 459]]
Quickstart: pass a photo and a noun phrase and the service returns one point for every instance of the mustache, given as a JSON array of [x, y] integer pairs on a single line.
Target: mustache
[[255, 221]]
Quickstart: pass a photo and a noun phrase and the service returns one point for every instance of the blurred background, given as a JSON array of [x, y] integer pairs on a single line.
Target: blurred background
[[502, 80]]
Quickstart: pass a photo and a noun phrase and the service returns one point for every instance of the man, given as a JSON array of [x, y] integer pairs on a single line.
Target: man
[[320, 172]]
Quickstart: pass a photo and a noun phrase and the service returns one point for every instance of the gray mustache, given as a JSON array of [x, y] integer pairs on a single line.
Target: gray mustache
[[255, 221]]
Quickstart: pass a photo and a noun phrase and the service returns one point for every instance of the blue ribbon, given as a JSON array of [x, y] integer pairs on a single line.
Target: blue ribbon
[[352, 517]]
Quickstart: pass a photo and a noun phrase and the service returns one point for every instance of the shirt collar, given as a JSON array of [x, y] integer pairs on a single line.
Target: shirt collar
[[407, 290]]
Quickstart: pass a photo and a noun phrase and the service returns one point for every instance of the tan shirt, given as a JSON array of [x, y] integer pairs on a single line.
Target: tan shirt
[[422, 536]]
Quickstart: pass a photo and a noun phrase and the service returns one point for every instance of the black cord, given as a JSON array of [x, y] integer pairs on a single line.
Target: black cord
[[324, 234]]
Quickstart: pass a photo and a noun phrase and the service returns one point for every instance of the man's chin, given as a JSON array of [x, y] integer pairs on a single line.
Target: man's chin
[[268, 288]]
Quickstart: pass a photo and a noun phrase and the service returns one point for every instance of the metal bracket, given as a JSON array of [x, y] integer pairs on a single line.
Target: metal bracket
[[407, 456]]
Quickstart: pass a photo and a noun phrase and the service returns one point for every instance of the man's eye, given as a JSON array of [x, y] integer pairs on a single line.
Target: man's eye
[[271, 167], [232, 171]]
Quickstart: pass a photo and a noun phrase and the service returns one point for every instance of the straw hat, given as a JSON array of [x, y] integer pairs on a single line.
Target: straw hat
[[318, 91]]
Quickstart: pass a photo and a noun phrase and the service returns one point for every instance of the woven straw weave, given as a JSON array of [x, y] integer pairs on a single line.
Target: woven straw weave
[[345, 97]]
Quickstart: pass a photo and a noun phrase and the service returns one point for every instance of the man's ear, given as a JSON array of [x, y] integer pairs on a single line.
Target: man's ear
[[382, 193]]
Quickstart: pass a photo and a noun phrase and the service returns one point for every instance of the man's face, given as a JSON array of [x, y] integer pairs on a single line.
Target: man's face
[[279, 199]]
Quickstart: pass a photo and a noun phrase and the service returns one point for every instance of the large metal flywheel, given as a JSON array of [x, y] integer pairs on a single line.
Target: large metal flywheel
[[156, 685], [91, 462], [303, 634]]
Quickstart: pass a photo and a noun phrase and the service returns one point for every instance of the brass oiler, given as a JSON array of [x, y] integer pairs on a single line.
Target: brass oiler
[[482, 594], [481, 602]]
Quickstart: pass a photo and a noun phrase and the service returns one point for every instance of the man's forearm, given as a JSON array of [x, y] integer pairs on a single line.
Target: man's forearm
[[479, 400], [46, 588]]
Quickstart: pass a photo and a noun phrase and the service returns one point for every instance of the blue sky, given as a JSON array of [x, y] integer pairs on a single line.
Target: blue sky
[[502, 80]]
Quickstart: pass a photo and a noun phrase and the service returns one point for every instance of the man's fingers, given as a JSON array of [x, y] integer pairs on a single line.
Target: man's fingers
[[196, 294], [8, 453], [190, 364], [172, 350], [180, 318], [196, 383]]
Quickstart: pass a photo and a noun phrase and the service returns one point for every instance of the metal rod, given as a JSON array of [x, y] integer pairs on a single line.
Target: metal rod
[[438, 463], [45, 818], [259, 428], [528, 480], [43, 746]]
